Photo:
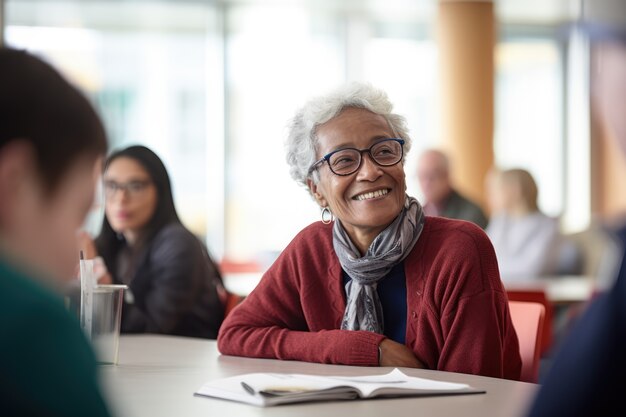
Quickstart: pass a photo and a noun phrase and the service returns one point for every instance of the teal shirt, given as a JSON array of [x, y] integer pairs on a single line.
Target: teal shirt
[[47, 367]]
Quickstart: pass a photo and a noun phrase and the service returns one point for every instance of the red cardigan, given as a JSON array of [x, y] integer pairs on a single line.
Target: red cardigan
[[458, 318]]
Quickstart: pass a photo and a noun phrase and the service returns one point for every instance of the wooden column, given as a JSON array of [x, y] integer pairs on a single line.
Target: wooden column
[[466, 39], [608, 159]]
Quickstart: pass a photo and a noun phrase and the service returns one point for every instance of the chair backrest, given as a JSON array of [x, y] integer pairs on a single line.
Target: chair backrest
[[232, 301], [528, 319], [229, 300], [538, 296]]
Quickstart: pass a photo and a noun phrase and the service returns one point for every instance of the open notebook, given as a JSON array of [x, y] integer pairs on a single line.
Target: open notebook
[[268, 389]]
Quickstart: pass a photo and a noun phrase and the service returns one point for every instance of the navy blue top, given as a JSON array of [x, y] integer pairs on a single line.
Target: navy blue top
[[392, 293]]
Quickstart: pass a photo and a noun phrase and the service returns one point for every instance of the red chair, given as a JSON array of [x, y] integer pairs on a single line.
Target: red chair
[[229, 300], [229, 266], [232, 301], [538, 296], [528, 320]]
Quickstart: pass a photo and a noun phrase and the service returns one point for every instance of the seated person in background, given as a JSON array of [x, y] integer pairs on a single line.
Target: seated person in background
[[382, 284], [527, 242], [51, 148], [173, 283], [441, 199]]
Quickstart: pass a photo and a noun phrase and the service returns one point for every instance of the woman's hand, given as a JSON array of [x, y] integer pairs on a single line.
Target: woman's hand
[[397, 355], [101, 271], [86, 244], [88, 247]]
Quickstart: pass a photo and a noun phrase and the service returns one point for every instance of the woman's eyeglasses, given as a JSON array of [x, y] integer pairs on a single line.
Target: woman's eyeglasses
[[132, 188], [347, 161]]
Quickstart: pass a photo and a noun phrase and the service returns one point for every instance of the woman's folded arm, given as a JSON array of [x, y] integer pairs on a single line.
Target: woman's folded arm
[[271, 323]]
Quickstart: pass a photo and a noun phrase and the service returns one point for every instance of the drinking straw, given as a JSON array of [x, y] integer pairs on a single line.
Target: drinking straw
[[86, 295]]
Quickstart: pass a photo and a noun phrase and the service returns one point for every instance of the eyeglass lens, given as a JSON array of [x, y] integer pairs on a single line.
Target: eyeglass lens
[[347, 161]]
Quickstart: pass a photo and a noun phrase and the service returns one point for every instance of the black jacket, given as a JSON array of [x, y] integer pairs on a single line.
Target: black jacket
[[175, 288]]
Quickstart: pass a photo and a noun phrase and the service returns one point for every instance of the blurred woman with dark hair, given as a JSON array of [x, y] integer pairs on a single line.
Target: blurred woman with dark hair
[[174, 285]]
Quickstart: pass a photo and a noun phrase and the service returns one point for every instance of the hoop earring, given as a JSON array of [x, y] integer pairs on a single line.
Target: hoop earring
[[327, 215]]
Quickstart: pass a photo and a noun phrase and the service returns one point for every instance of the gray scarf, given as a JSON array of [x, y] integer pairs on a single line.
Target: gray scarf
[[390, 247]]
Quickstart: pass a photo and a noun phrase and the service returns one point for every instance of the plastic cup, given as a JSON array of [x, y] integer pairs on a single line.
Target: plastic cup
[[100, 313], [106, 322]]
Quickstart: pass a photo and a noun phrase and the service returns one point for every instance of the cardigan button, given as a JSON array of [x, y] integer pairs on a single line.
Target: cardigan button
[[414, 314]]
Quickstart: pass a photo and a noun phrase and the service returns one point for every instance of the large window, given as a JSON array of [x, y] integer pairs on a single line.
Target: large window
[[148, 78], [210, 86], [529, 114], [402, 59], [269, 75], [275, 57]]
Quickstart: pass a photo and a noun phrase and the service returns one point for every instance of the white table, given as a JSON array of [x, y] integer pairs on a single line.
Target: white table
[[559, 289], [242, 283], [157, 376]]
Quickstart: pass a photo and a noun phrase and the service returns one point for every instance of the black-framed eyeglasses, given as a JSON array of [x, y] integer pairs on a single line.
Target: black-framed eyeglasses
[[133, 188], [346, 161]]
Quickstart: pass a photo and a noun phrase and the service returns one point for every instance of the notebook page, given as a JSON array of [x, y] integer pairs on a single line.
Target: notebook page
[[394, 381], [397, 381]]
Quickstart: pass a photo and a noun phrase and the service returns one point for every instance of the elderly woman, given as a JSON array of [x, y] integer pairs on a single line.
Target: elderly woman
[[375, 282]]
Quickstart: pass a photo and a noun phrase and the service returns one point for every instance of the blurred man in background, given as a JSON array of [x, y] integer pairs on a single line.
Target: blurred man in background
[[440, 198]]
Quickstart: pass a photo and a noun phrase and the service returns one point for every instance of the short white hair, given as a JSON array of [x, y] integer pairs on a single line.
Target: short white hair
[[302, 138]]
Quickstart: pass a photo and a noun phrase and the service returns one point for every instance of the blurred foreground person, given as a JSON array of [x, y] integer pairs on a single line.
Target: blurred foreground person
[[587, 377], [51, 145]]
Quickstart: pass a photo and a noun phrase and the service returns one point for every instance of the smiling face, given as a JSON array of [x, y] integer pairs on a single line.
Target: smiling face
[[131, 197], [367, 201]]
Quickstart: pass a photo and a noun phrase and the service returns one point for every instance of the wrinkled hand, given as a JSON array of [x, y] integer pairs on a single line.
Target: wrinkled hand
[[397, 355]]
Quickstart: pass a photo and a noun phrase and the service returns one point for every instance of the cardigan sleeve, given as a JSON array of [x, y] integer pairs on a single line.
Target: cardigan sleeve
[[480, 339], [288, 315], [478, 333]]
